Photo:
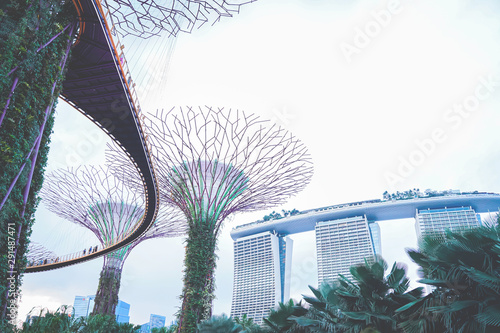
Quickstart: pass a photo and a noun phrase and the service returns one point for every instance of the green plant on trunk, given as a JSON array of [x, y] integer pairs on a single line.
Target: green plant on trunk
[[27, 75], [106, 297], [200, 263]]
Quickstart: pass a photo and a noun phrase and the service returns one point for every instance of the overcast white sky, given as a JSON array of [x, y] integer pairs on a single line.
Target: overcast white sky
[[410, 102]]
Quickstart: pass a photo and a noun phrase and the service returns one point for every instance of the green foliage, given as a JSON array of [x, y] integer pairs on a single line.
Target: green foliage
[[63, 321], [103, 323], [280, 319], [219, 324], [276, 216], [368, 302], [171, 329], [464, 270], [59, 321], [106, 297], [24, 26], [199, 263], [247, 324]]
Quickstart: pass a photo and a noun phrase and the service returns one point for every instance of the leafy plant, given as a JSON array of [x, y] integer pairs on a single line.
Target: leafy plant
[[463, 268], [369, 302]]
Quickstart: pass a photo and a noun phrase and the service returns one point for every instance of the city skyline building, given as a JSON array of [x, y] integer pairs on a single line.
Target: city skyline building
[[343, 243], [436, 221], [262, 265], [155, 321], [83, 306]]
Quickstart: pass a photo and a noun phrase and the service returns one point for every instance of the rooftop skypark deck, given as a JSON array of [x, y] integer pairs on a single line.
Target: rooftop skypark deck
[[375, 210]]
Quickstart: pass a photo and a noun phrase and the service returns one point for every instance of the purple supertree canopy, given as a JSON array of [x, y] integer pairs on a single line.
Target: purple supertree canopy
[[146, 18], [38, 253], [214, 162], [92, 197]]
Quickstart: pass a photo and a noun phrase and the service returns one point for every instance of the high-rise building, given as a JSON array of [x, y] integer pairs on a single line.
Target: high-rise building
[[436, 221], [122, 311], [155, 321], [83, 306], [343, 243], [261, 274]]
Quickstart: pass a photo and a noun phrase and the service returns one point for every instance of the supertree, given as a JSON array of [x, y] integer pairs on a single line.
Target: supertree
[[152, 17], [92, 198], [212, 163], [38, 253]]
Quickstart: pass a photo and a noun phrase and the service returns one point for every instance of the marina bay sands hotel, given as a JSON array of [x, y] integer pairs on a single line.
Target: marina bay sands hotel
[[345, 235]]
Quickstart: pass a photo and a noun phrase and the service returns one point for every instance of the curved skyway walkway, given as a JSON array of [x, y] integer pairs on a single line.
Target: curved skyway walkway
[[99, 85]]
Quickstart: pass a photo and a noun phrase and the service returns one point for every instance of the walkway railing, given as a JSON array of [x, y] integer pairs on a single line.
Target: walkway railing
[[129, 85]]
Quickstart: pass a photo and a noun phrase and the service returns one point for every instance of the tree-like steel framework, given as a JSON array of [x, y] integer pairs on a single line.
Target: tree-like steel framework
[[91, 197], [37, 253], [146, 18], [212, 163]]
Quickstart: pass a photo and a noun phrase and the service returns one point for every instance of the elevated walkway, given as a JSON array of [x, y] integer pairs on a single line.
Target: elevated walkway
[[99, 85]]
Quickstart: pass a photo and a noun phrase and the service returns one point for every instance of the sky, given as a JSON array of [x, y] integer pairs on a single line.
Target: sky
[[386, 95]]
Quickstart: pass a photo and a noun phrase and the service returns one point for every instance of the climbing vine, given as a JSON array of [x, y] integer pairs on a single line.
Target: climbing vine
[[106, 297], [27, 74], [199, 284]]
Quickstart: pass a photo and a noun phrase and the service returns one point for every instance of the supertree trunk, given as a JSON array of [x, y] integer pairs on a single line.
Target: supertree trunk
[[34, 39], [106, 298], [199, 263]]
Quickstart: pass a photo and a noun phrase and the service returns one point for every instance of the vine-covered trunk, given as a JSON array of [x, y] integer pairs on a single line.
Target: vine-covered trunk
[[31, 72], [199, 284], [106, 297]]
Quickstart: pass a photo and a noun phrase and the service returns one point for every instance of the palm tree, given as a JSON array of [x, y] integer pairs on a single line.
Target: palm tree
[[105, 323], [247, 324], [281, 319], [61, 320], [368, 302], [464, 270], [219, 324]]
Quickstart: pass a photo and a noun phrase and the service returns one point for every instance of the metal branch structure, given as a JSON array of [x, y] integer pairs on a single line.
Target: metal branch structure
[[92, 198], [212, 163], [37, 253], [146, 18]]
